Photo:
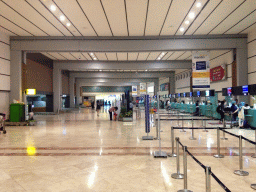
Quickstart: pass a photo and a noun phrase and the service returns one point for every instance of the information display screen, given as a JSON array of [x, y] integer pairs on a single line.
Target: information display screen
[[184, 94], [170, 96], [252, 89], [198, 93], [178, 94], [207, 93], [245, 89], [229, 91], [224, 92], [190, 94]]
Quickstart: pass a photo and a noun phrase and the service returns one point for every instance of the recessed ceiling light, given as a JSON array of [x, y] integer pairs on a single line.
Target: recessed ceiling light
[[100, 70], [62, 18], [146, 70], [158, 58], [68, 24], [198, 4], [187, 22], [91, 53], [191, 15], [94, 58], [53, 8], [182, 29]]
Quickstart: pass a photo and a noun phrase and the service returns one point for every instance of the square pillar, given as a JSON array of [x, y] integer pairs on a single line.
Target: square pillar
[[72, 91], [57, 89]]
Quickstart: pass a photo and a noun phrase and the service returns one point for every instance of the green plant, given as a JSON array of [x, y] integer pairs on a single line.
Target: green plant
[[123, 110], [128, 114], [121, 115]]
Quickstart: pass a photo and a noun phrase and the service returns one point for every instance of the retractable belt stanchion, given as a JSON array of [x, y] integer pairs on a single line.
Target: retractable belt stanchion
[[147, 119], [159, 154], [254, 155], [177, 175], [241, 172], [185, 171], [192, 131], [182, 130], [157, 136], [172, 143], [218, 144], [224, 126], [208, 179], [204, 125]]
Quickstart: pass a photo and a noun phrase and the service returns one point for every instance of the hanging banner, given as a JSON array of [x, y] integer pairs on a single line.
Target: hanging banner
[[201, 70], [134, 91], [218, 73], [143, 88]]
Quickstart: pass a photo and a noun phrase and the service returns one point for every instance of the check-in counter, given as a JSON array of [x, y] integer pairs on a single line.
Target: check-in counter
[[192, 108], [251, 117], [202, 109]]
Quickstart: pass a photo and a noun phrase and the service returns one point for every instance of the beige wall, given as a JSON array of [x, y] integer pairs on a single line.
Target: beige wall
[[65, 84], [37, 76], [252, 56], [4, 72]]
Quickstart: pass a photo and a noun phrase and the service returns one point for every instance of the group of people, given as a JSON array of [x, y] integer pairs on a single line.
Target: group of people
[[235, 111]]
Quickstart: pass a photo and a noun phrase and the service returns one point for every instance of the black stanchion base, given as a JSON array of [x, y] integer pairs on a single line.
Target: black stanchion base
[[147, 138], [160, 154], [192, 138], [218, 156], [171, 155]]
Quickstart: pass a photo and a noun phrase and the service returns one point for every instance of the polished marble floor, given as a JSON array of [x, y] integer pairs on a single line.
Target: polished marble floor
[[79, 151]]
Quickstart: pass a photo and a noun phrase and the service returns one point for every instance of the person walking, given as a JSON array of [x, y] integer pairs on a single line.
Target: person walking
[[98, 108], [111, 110]]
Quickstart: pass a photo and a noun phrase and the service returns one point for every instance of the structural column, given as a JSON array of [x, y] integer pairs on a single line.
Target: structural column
[[57, 89], [242, 69], [172, 82], [72, 91], [16, 76], [78, 93]]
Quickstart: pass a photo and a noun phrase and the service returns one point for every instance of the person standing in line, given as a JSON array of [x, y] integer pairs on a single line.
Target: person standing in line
[[111, 110], [98, 108], [220, 110]]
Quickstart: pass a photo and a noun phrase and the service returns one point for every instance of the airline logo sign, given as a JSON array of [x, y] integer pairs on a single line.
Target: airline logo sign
[[143, 88], [201, 70]]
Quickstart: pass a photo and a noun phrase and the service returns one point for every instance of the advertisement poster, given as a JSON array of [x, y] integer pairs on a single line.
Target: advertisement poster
[[143, 88], [134, 91], [218, 73], [201, 69], [164, 87]]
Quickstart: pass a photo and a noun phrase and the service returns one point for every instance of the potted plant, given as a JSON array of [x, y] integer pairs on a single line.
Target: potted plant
[[128, 116]]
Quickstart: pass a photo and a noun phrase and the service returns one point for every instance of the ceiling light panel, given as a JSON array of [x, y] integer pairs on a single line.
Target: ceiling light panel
[[78, 55], [192, 15], [122, 56], [12, 27], [56, 55], [217, 16], [48, 15], [101, 56], [111, 56], [235, 17], [176, 15], [49, 56], [175, 55], [153, 55], [136, 13], [17, 19], [185, 55], [143, 56], [86, 55], [32, 15], [132, 56], [115, 11], [203, 15], [67, 55], [157, 11], [98, 20], [167, 55]]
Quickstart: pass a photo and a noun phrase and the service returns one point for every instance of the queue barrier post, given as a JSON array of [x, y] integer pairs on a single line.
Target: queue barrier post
[[224, 126], [182, 130], [218, 144], [208, 179], [185, 171], [241, 172], [172, 154], [177, 175], [192, 131], [254, 155]]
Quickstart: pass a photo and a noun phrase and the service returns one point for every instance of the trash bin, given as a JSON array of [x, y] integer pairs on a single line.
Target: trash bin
[[17, 112]]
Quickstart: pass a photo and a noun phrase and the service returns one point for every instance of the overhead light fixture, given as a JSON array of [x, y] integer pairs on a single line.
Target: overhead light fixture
[[100, 70], [198, 4], [191, 15], [94, 58], [62, 18], [182, 29], [68, 24], [91, 54], [146, 70], [53, 8], [187, 22], [158, 58]]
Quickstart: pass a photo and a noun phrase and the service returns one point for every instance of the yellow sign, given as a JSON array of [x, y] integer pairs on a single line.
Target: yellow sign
[[201, 74], [30, 91]]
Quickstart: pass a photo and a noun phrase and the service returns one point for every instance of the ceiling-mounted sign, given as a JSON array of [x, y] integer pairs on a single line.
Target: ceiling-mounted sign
[[200, 69], [218, 73], [30, 91], [143, 88], [134, 91]]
